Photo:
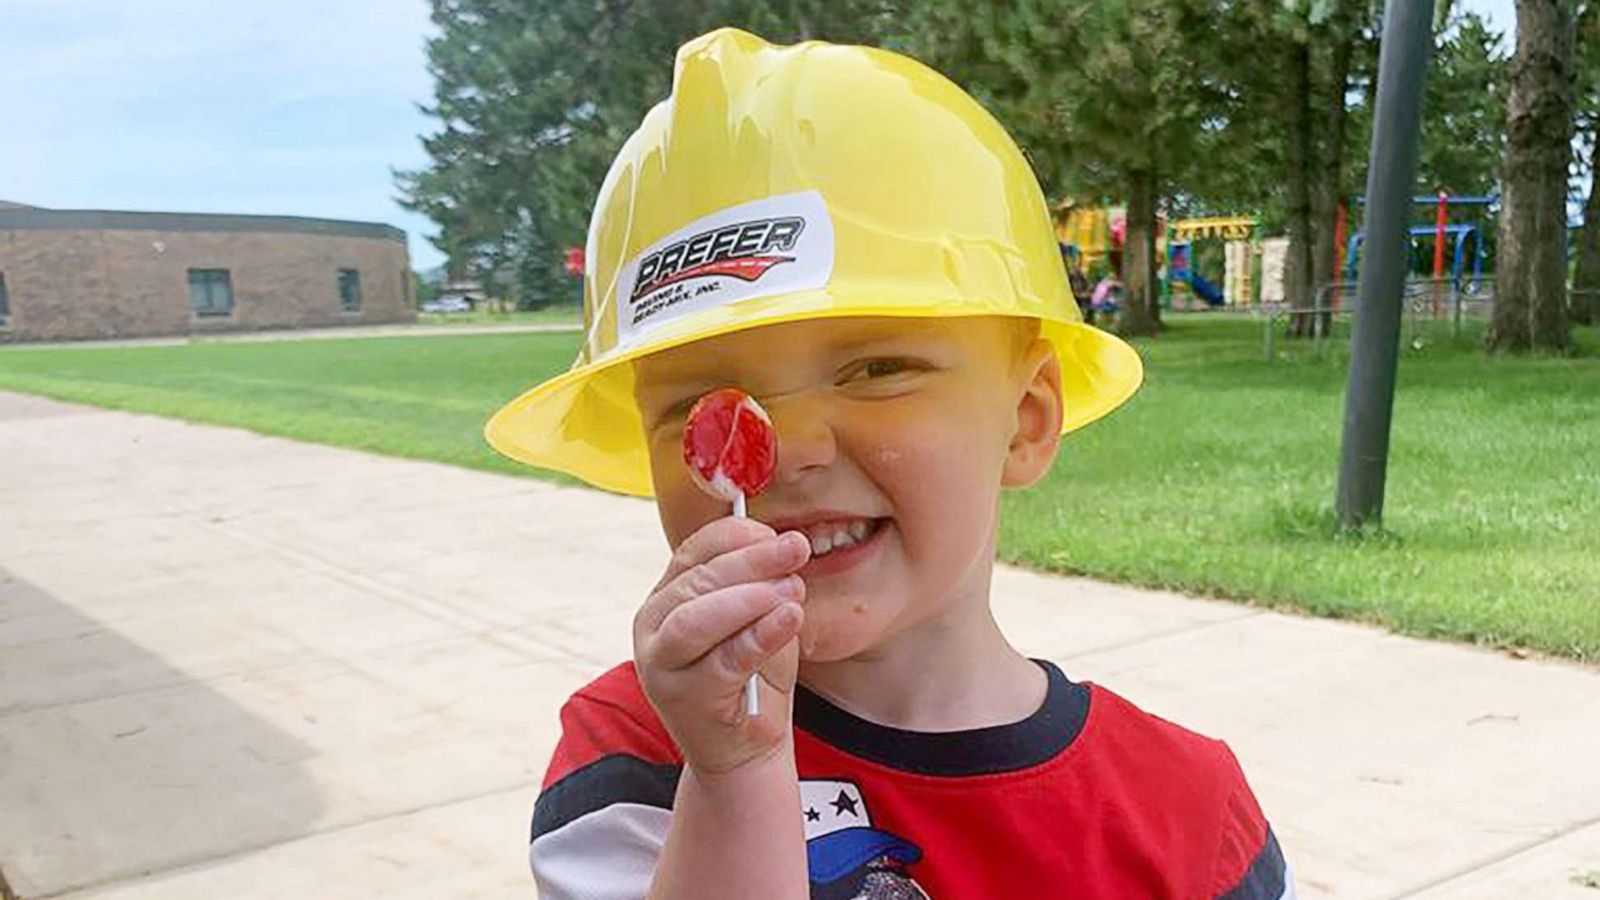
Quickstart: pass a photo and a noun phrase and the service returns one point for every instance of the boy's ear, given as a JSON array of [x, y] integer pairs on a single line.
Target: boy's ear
[[1039, 411]]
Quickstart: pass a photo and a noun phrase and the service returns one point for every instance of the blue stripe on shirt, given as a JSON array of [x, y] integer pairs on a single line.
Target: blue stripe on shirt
[[1266, 877]]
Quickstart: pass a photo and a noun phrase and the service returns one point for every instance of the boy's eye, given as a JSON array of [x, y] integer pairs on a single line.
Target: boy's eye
[[677, 412], [872, 369]]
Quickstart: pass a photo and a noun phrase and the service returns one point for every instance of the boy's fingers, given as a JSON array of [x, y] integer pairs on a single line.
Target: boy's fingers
[[692, 630], [761, 561], [754, 562], [712, 540], [741, 655]]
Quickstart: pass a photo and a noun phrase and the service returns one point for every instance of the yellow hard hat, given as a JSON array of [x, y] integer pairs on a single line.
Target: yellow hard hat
[[780, 183]]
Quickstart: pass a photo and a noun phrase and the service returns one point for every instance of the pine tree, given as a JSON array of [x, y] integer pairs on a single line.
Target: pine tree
[[534, 98], [1464, 110], [1104, 96]]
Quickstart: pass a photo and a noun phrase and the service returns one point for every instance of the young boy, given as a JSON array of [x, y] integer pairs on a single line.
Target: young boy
[[850, 238]]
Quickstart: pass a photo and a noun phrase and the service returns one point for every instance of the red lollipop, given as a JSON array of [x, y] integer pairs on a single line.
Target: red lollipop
[[730, 446], [731, 450]]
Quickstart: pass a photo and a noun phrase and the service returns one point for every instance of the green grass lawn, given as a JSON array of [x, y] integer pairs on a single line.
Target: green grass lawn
[[421, 397], [1216, 479]]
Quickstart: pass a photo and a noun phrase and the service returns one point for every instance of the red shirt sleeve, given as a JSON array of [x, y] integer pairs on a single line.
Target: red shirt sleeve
[[1249, 862], [609, 716]]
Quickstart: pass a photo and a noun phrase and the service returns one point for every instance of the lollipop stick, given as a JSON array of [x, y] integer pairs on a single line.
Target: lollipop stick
[[752, 695], [752, 699]]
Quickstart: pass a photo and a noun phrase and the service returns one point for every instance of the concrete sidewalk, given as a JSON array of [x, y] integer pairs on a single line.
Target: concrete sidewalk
[[239, 666]]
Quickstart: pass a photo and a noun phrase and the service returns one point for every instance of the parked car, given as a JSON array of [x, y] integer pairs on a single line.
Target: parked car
[[447, 305]]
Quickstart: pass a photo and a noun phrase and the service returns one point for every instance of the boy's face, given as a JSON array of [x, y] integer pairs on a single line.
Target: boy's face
[[895, 432]]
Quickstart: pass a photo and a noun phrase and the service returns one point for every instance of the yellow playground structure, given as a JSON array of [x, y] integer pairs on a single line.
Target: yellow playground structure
[[1087, 230], [1092, 236]]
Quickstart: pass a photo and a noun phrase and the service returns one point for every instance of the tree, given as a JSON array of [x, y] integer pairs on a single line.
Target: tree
[[1464, 110], [1306, 129], [533, 100], [1300, 154], [1292, 128], [1345, 30], [1530, 265], [422, 289], [1585, 301], [1106, 97]]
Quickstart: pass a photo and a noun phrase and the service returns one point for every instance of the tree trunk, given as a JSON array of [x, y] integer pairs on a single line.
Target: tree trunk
[[1297, 269], [1586, 278], [1139, 257], [1531, 262], [1329, 189]]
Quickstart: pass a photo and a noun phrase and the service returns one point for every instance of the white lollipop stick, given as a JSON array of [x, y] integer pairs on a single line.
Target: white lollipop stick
[[752, 692]]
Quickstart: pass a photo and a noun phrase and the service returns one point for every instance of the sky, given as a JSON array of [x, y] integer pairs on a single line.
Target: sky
[[1502, 14], [293, 107], [289, 107]]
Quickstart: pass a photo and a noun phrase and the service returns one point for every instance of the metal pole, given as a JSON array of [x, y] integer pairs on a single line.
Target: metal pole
[[1455, 302], [1374, 341], [1440, 219]]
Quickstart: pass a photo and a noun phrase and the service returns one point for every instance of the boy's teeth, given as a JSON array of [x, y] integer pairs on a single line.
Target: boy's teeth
[[831, 538]]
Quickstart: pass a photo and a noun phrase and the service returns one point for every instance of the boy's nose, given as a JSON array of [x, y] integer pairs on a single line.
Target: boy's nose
[[806, 442]]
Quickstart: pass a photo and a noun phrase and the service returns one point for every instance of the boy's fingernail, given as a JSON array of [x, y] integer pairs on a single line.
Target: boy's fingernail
[[790, 587], [797, 541]]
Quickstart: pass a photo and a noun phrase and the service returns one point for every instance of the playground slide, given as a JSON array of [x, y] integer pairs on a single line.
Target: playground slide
[[1205, 290]]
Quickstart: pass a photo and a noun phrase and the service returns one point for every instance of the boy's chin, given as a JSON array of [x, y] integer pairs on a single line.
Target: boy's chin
[[826, 652], [841, 637]]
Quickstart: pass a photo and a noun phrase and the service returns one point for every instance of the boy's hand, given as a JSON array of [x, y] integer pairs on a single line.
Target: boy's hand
[[728, 605]]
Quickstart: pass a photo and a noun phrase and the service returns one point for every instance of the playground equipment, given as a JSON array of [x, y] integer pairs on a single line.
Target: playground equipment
[[1090, 232], [1440, 230], [1092, 237], [1239, 250], [1180, 271], [1459, 237]]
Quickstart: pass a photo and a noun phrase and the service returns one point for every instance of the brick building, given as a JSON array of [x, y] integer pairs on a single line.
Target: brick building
[[69, 274]]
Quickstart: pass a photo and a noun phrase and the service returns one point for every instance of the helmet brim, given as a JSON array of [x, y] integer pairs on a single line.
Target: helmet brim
[[586, 423]]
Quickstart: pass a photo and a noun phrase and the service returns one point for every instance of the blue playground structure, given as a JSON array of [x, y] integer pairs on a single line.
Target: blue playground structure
[[1180, 270], [1459, 236]]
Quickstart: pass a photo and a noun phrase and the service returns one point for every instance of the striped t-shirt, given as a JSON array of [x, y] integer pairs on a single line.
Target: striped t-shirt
[[1089, 797]]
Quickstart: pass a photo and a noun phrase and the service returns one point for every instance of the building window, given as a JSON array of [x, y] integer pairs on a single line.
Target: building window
[[5, 303], [210, 292], [350, 290]]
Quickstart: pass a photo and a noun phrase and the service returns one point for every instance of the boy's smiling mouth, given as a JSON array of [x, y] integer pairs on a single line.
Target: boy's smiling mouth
[[838, 540], [826, 537]]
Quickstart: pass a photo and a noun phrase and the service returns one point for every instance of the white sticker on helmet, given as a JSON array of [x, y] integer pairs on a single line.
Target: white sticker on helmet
[[776, 245]]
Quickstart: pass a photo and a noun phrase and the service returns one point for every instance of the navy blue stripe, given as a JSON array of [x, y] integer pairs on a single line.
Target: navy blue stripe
[[618, 778], [978, 751], [1264, 881]]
